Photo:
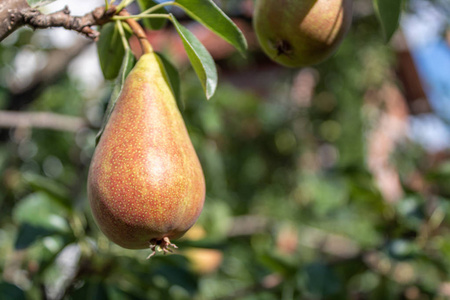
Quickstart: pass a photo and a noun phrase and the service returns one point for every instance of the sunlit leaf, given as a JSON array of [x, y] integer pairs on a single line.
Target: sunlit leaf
[[41, 210], [39, 3], [210, 15], [201, 60], [51, 187]]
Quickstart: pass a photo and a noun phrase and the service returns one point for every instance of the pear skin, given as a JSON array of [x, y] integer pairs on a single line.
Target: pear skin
[[297, 33], [145, 182]]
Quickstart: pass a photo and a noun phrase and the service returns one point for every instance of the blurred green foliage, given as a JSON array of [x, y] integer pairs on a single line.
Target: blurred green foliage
[[292, 209]]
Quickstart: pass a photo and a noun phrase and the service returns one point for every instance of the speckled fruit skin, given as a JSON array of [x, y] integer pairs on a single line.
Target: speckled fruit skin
[[298, 33], [145, 181]]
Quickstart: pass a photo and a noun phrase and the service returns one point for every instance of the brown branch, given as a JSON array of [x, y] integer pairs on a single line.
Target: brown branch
[[25, 15], [10, 16], [43, 120], [138, 32]]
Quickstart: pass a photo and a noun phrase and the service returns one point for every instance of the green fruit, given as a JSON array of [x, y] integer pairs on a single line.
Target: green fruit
[[145, 185], [298, 33]]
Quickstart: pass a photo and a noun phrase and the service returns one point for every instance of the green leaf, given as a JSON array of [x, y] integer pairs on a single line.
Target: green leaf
[[10, 291], [388, 13], [153, 23], [178, 275], [319, 280], [51, 187], [210, 15], [90, 290], [173, 78], [39, 215], [277, 264], [41, 210], [39, 3], [127, 65], [28, 234], [201, 60], [110, 50]]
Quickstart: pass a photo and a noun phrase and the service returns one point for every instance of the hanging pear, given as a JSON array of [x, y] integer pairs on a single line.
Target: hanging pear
[[298, 33], [145, 184]]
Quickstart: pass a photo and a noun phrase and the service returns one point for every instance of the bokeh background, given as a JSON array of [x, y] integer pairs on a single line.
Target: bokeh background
[[326, 182]]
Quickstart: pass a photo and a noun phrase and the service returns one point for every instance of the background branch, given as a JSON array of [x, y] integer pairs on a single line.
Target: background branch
[[19, 97], [45, 120]]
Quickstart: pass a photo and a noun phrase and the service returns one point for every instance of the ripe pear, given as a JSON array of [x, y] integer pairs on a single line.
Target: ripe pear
[[145, 183], [298, 33]]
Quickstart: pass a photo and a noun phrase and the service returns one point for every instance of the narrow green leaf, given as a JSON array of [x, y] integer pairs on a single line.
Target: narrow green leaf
[[210, 15], [201, 60], [388, 13], [110, 50], [153, 24], [173, 78], [127, 65]]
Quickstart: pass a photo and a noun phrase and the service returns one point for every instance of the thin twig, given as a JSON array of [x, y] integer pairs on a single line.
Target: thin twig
[[138, 32], [158, 6], [142, 16], [122, 35]]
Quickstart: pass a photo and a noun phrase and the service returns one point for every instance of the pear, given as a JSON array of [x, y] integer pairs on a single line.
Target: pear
[[145, 183], [298, 33]]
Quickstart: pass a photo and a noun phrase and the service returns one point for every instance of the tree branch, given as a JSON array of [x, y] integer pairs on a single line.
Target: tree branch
[[16, 13], [9, 12], [138, 32], [20, 96], [44, 120]]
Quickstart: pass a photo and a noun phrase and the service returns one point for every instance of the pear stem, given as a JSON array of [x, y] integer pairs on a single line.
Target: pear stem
[[161, 245], [138, 32]]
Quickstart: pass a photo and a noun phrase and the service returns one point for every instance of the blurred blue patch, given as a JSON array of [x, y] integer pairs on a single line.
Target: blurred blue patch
[[433, 64]]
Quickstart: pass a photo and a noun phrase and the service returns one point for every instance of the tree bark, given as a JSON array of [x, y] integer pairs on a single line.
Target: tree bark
[[16, 13], [10, 16]]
